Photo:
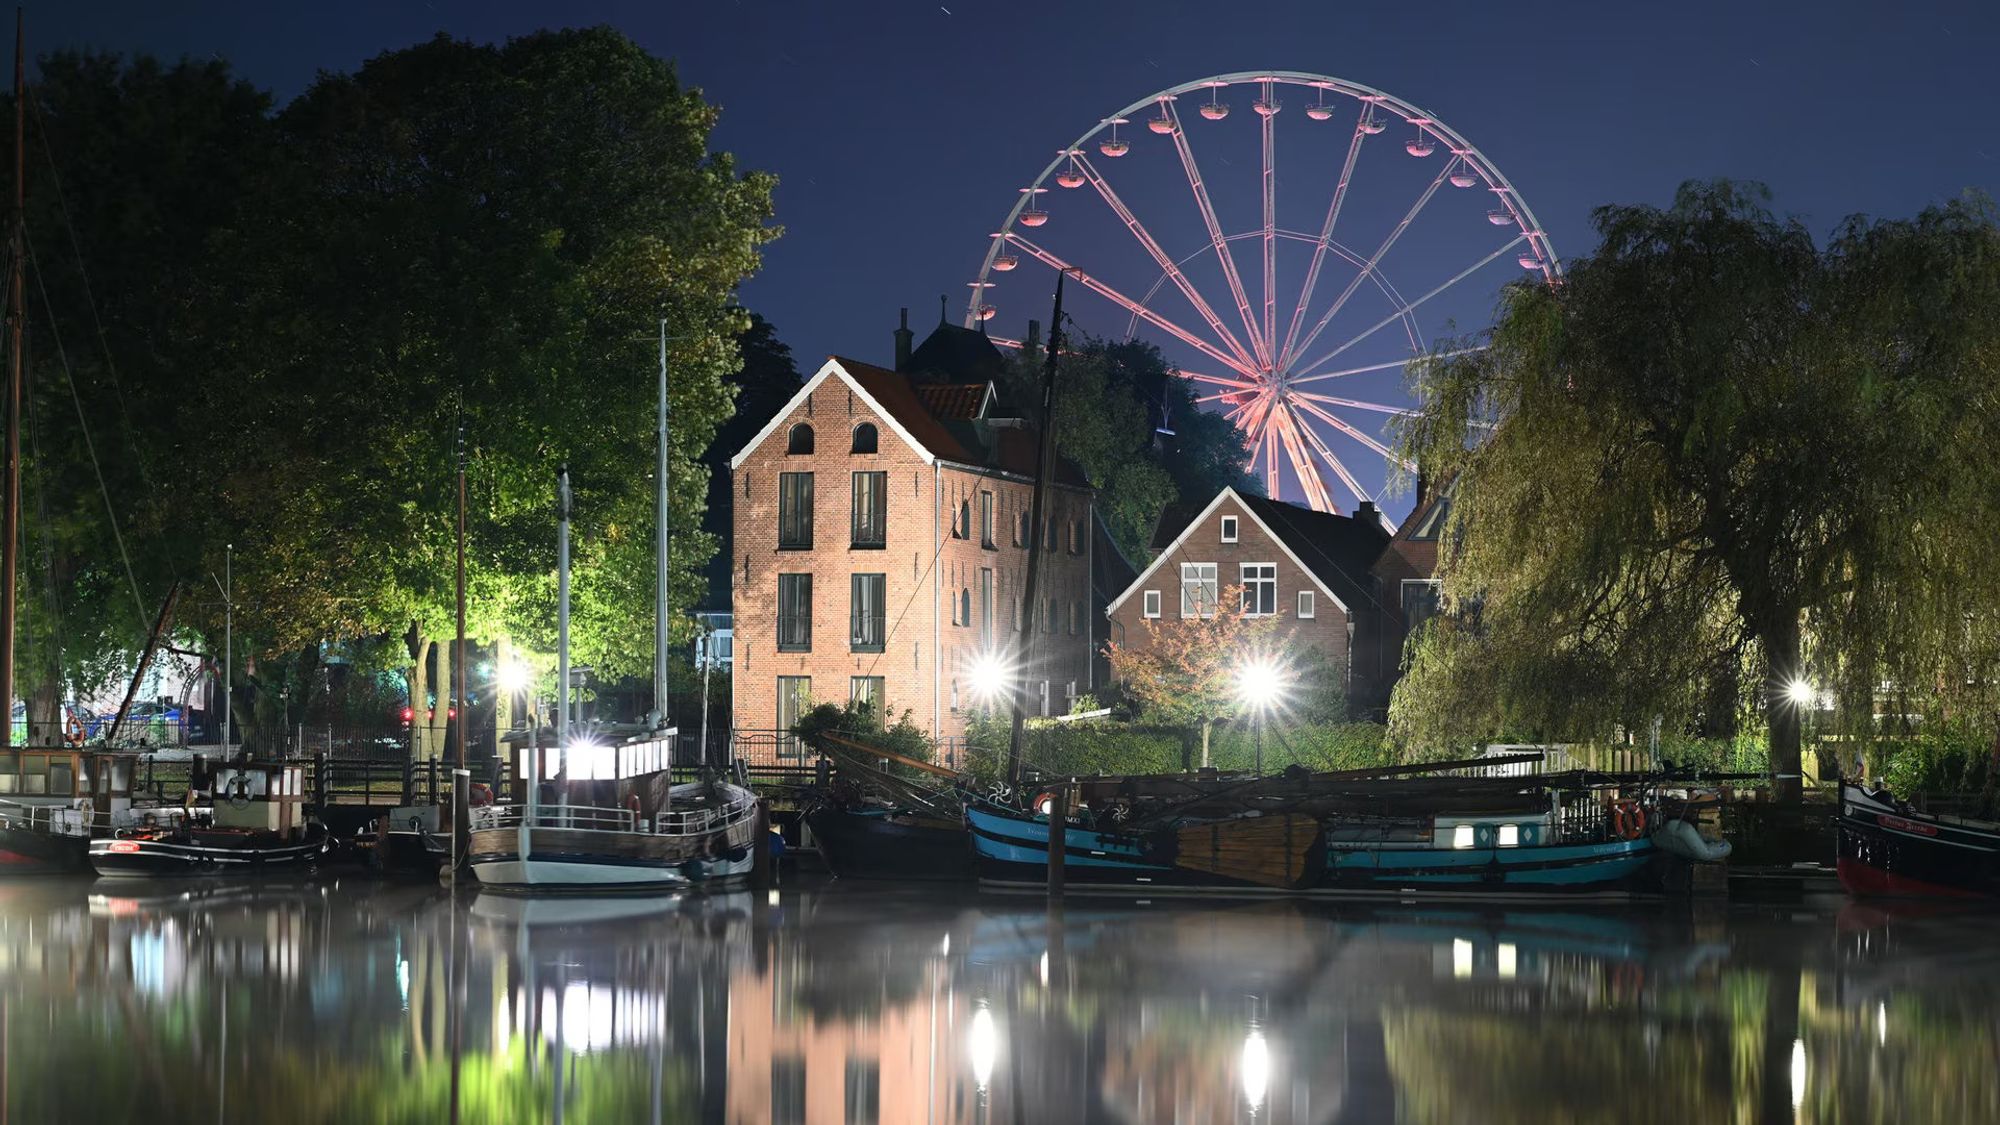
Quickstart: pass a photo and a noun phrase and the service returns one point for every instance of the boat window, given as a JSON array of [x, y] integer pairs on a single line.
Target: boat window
[[1461, 836], [1510, 835], [62, 777], [34, 773]]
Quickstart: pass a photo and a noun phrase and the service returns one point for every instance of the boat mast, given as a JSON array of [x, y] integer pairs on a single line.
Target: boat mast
[[1045, 457], [10, 524], [660, 551], [458, 688], [562, 623]]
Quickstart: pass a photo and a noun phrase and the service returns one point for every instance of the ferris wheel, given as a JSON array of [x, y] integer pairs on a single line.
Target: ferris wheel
[[1305, 354]]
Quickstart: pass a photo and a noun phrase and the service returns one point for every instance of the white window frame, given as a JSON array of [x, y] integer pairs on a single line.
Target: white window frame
[[1150, 604], [1231, 529], [1211, 585], [1243, 575], [1306, 608]]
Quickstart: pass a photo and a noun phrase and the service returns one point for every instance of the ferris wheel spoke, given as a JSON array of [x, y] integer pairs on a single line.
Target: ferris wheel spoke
[[1310, 481], [1338, 466], [1375, 259], [1270, 131], [1134, 307], [1357, 434], [1216, 239], [1166, 263], [1221, 380], [1412, 306], [1358, 404], [1344, 372], [1320, 248]]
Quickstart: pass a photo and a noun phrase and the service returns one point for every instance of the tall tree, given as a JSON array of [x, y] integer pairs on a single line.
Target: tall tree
[[1716, 439], [467, 250], [1186, 671], [766, 381]]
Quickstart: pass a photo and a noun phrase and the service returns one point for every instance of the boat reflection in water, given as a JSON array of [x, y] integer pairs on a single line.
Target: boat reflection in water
[[262, 1001]]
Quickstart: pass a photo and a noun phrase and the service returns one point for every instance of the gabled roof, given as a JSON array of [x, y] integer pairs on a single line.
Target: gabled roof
[[974, 441], [836, 368], [957, 401], [955, 353], [1334, 549]]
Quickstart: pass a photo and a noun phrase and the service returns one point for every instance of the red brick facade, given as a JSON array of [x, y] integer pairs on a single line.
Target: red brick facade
[[930, 561], [1204, 543], [1409, 563]]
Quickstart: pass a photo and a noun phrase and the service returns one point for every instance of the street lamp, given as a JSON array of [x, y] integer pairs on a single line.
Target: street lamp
[[1801, 693], [989, 675], [1260, 683]]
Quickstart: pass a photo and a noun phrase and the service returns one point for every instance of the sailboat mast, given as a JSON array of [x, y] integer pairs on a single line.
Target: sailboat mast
[[562, 621], [660, 550], [10, 524], [458, 666]]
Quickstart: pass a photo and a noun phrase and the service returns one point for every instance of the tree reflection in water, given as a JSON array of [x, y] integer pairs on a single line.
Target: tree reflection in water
[[366, 1002]]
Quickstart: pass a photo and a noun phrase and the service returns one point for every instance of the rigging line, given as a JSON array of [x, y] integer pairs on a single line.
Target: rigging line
[[50, 592], [83, 423], [89, 293]]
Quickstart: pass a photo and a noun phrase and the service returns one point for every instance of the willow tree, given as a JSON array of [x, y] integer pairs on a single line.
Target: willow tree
[[1718, 445]]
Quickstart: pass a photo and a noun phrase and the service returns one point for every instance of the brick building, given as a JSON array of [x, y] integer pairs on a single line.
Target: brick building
[[1309, 568], [880, 543], [1405, 573]]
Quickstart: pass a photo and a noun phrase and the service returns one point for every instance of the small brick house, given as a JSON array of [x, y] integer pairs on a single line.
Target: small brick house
[[881, 545], [1309, 568], [1405, 573]]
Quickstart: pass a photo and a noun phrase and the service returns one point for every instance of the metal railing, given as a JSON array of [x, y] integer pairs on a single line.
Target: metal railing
[[56, 820], [590, 818]]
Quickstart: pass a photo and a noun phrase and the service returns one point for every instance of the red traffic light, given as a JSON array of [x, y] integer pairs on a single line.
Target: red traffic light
[[409, 713], [451, 713]]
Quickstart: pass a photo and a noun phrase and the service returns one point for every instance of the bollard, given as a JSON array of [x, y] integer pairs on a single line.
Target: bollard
[[1058, 836]]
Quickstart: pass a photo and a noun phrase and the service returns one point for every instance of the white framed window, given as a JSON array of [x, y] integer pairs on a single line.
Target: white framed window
[[1260, 589], [1305, 605], [1229, 529], [1198, 589], [1510, 835], [1150, 607]]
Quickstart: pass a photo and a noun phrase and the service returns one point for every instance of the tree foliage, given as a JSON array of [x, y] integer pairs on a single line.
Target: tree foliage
[[1113, 400], [1185, 670], [1720, 447]]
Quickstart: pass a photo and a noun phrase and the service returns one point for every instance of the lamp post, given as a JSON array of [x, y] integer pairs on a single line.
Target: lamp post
[[1260, 681]]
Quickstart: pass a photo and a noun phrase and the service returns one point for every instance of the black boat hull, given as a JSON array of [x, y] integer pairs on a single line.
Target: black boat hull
[[206, 853], [1890, 851], [871, 846], [25, 851]]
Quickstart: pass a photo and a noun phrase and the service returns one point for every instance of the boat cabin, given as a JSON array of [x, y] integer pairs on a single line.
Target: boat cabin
[[40, 776], [260, 796]]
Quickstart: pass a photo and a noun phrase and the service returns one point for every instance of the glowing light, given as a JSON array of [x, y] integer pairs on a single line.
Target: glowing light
[[990, 674], [1881, 1024], [1461, 957], [1800, 692], [1461, 836], [1256, 1068], [944, 947], [1045, 968], [982, 1043], [1510, 835], [771, 899], [1260, 681], [1798, 1073], [1506, 960], [512, 677]]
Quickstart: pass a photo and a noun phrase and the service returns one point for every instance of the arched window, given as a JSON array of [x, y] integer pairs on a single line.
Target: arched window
[[801, 439], [965, 606], [864, 438]]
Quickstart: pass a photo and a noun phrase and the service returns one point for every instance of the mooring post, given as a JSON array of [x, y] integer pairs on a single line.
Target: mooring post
[[760, 847], [461, 818], [319, 782], [1058, 836]]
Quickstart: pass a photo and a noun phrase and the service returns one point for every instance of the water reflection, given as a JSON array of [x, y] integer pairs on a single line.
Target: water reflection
[[343, 1001]]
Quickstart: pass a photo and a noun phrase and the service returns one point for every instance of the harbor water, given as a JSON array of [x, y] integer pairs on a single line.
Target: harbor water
[[350, 1000]]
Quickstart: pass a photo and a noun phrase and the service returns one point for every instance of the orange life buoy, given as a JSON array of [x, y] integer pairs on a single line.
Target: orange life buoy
[[72, 728], [1628, 820]]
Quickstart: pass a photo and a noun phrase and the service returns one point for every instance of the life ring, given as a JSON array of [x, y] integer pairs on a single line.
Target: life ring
[[72, 728], [1628, 819], [239, 790]]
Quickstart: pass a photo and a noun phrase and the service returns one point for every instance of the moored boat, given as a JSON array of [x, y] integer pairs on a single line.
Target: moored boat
[[51, 801], [1888, 848], [882, 842], [708, 833], [258, 823]]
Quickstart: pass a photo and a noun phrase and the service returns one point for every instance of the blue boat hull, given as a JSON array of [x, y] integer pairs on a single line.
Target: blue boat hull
[[1012, 850]]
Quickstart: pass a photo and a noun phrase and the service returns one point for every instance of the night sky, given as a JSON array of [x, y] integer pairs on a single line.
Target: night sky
[[901, 133]]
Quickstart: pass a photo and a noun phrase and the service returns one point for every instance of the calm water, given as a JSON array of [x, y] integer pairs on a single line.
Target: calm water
[[355, 1001]]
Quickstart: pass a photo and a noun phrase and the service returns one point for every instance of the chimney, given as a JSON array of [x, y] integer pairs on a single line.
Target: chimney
[[903, 338], [1365, 512], [1033, 343]]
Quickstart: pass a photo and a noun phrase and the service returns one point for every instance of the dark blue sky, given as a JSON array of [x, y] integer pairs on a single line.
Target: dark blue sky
[[902, 131]]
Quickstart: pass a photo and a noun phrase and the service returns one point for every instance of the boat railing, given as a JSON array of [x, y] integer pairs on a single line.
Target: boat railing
[[587, 818], [55, 820]]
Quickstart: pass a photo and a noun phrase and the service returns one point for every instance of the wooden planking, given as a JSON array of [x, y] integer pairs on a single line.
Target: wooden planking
[[1271, 851]]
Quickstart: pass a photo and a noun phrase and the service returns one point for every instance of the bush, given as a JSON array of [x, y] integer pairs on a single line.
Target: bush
[[1948, 758], [1091, 747]]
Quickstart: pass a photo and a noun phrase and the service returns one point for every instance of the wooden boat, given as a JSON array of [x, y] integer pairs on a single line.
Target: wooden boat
[[258, 823], [1341, 835], [1888, 848], [868, 841], [405, 842], [51, 802]]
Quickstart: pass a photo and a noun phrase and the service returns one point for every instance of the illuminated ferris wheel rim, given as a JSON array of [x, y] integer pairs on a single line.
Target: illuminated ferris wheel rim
[[1259, 374]]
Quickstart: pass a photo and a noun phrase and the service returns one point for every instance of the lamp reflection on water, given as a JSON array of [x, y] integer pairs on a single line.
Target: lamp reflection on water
[[983, 1045], [1798, 1073], [1255, 1070]]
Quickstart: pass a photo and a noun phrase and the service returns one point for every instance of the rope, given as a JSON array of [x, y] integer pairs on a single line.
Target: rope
[[103, 489]]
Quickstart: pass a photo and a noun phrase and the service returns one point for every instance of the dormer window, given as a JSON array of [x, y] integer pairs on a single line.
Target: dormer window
[[800, 440], [864, 438], [1229, 529]]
